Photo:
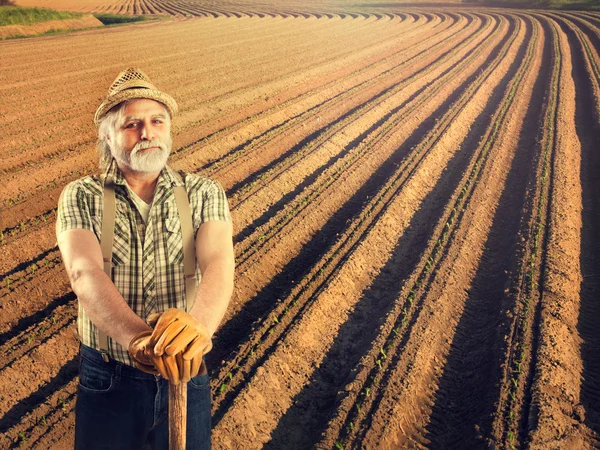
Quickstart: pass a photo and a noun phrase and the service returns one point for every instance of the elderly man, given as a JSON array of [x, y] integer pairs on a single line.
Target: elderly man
[[149, 254]]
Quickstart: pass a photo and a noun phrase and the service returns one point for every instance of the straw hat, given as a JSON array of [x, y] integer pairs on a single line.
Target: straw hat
[[132, 83]]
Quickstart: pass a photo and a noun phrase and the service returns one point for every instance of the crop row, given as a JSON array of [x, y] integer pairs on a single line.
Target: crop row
[[404, 314], [521, 356], [291, 309], [354, 153]]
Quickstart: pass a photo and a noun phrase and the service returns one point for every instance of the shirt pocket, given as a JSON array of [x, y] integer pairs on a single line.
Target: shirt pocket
[[121, 251], [174, 241]]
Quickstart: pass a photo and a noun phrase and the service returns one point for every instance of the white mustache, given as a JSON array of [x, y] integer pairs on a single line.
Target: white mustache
[[147, 144]]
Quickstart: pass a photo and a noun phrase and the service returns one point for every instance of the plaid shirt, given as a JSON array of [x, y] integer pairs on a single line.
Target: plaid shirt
[[147, 257]]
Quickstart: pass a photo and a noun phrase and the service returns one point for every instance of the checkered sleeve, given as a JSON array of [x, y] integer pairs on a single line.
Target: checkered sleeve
[[212, 203], [73, 209]]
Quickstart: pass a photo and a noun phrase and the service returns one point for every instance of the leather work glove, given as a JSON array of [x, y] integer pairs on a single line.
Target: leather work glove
[[140, 350], [179, 342]]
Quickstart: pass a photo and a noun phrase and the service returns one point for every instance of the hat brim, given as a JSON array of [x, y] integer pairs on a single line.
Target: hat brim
[[132, 94]]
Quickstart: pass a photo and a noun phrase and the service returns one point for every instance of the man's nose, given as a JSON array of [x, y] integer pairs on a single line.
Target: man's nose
[[147, 132]]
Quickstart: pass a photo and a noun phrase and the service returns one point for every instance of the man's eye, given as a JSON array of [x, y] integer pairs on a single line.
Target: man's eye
[[131, 125]]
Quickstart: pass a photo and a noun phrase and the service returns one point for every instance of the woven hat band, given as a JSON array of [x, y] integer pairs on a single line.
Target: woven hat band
[[133, 84]]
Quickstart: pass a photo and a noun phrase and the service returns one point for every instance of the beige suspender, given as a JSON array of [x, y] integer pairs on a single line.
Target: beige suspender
[[106, 244], [189, 248], [187, 231]]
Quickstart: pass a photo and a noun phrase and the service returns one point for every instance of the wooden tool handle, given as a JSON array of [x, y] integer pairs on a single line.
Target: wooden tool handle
[[177, 416]]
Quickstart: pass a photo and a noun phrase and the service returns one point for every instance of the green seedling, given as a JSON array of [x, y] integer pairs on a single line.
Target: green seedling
[[382, 351], [229, 375], [223, 388], [338, 445], [378, 362]]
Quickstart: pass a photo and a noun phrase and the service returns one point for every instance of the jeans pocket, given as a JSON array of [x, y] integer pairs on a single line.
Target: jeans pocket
[[200, 382], [95, 378]]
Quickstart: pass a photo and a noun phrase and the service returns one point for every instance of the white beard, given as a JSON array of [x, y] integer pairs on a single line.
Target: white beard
[[144, 161]]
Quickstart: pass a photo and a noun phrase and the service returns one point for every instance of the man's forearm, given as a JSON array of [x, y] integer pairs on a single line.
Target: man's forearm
[[106, 307], [214, 293]]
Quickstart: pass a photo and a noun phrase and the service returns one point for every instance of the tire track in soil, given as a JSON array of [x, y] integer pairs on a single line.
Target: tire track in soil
[[464, 403], [367, 392], [396, 120], [277, 350]]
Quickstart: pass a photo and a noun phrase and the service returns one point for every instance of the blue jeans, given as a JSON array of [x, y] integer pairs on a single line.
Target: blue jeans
[[121, 407]]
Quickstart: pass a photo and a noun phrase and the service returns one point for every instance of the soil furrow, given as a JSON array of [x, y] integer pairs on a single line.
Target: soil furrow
[[462, 414], [279, 349], [64, 277], [325, 178], [61, 182], [560, 397], [322, 273], [352, 152], [371, 395], [513, 410]]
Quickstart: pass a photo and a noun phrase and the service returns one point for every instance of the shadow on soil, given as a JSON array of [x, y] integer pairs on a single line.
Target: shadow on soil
[[588, 129], [66, 374], [38, 316], [312, 409]]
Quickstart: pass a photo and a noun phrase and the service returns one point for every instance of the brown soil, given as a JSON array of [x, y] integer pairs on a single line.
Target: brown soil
[[414, 193]]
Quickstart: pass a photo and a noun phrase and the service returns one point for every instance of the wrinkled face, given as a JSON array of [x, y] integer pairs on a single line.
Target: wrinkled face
[[142, 140]]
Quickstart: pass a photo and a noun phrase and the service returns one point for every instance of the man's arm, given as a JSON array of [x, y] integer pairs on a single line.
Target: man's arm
[[98, 295], [214, 253]]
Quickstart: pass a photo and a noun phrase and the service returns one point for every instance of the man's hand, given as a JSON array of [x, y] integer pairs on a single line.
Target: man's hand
[[178, 344], [140, 350]]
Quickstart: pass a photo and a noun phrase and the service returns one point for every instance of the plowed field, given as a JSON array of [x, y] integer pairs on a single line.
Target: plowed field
[[416, 202]]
